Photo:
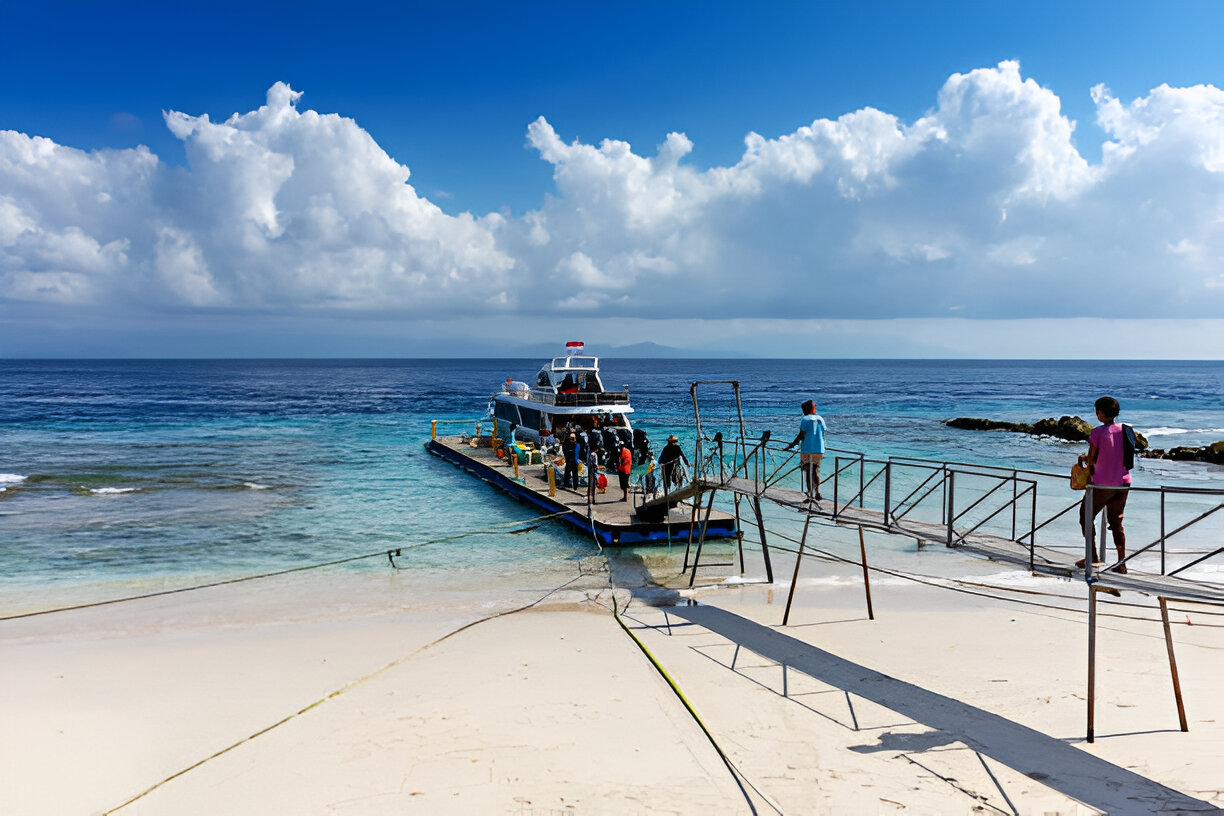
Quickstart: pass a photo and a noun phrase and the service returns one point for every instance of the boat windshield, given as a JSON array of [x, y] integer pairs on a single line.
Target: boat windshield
[[576, 363], [572, 374]]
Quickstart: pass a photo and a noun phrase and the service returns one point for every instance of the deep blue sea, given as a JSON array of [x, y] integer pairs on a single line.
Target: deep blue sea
[[164, 471]]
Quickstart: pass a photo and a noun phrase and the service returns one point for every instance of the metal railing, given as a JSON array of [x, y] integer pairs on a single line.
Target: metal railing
[[581, 399], [968, 502]]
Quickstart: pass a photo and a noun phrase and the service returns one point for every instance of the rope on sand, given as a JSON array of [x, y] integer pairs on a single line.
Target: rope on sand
[[389, 554], [333, 695], [736, 773]]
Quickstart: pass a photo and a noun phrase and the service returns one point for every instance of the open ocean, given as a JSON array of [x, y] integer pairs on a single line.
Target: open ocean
[[117, 474]]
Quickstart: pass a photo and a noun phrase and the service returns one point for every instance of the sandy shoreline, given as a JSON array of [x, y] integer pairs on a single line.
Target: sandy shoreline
[[362, 695]]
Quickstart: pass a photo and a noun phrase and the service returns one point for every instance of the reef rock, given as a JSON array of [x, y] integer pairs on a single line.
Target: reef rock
[[1213, 453], [1070, 428], [979, 424]]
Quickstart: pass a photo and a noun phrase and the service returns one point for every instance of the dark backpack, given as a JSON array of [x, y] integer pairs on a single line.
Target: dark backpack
[[1129, 444]]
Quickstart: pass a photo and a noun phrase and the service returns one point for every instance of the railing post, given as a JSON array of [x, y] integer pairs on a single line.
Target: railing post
[[1091, 655], [1015, 495], [862, 478], [836, 480], [1162, 530], [888, 493], [1033, 529], [760, 455], [1089, 530], [950, 490], [943, 508], [755, 456], [433, 429]]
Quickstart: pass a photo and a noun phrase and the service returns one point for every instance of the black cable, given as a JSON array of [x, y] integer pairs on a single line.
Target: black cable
[[390, 553]]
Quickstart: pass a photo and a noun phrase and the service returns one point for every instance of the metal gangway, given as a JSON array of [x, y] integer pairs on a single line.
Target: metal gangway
[[1025, 517]]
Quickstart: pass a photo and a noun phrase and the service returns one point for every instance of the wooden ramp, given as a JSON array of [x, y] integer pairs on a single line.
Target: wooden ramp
[[658, 507]]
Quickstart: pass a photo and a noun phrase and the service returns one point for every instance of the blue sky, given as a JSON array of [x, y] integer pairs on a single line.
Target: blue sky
[[807, 246]]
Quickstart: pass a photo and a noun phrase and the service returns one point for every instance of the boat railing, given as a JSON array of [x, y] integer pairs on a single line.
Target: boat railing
[[581, 400]]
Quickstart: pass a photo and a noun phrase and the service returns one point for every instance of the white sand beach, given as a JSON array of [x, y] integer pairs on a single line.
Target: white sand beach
[[348, 693]]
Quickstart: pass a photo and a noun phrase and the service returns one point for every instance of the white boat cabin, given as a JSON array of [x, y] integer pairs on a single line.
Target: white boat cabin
[[567, 390]]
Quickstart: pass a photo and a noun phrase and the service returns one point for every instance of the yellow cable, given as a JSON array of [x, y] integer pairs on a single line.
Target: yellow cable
[[347, 687]]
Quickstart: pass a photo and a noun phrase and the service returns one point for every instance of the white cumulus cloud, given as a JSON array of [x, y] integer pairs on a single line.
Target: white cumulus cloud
[[982, 205], [277, 209]]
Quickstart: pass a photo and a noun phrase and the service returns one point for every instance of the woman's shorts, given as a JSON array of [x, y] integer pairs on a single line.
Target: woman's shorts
[[811, 459]]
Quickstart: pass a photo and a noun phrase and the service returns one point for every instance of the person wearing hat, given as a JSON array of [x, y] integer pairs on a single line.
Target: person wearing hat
[[669, 459]]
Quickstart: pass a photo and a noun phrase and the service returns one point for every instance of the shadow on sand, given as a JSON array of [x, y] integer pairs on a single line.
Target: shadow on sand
[[1058, 765]]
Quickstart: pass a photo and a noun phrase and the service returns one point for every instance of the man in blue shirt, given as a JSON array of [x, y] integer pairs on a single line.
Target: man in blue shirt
[[811, 451]]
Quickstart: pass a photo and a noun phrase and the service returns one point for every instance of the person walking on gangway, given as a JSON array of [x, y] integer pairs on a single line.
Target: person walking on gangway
[[811, 447], [1106, 461], [669, 463]]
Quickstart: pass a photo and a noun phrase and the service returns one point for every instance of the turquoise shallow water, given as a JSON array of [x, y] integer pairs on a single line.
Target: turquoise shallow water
[[190, 470]]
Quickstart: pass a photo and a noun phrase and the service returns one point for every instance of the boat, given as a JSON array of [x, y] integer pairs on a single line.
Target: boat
[[514, 446], [567, 393]]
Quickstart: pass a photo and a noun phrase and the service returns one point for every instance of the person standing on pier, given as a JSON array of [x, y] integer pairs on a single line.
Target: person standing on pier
[[592, 468], [624, 468], [569, 450], [1106, 461], [811, 447]]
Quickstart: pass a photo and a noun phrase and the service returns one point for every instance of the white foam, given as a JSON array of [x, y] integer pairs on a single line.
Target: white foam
[[254, 486], [11, 478], [1017, 579], [1162, 431], [111, 491]]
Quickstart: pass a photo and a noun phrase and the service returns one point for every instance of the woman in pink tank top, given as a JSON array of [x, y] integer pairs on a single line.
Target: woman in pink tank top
[[1106, 463]]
